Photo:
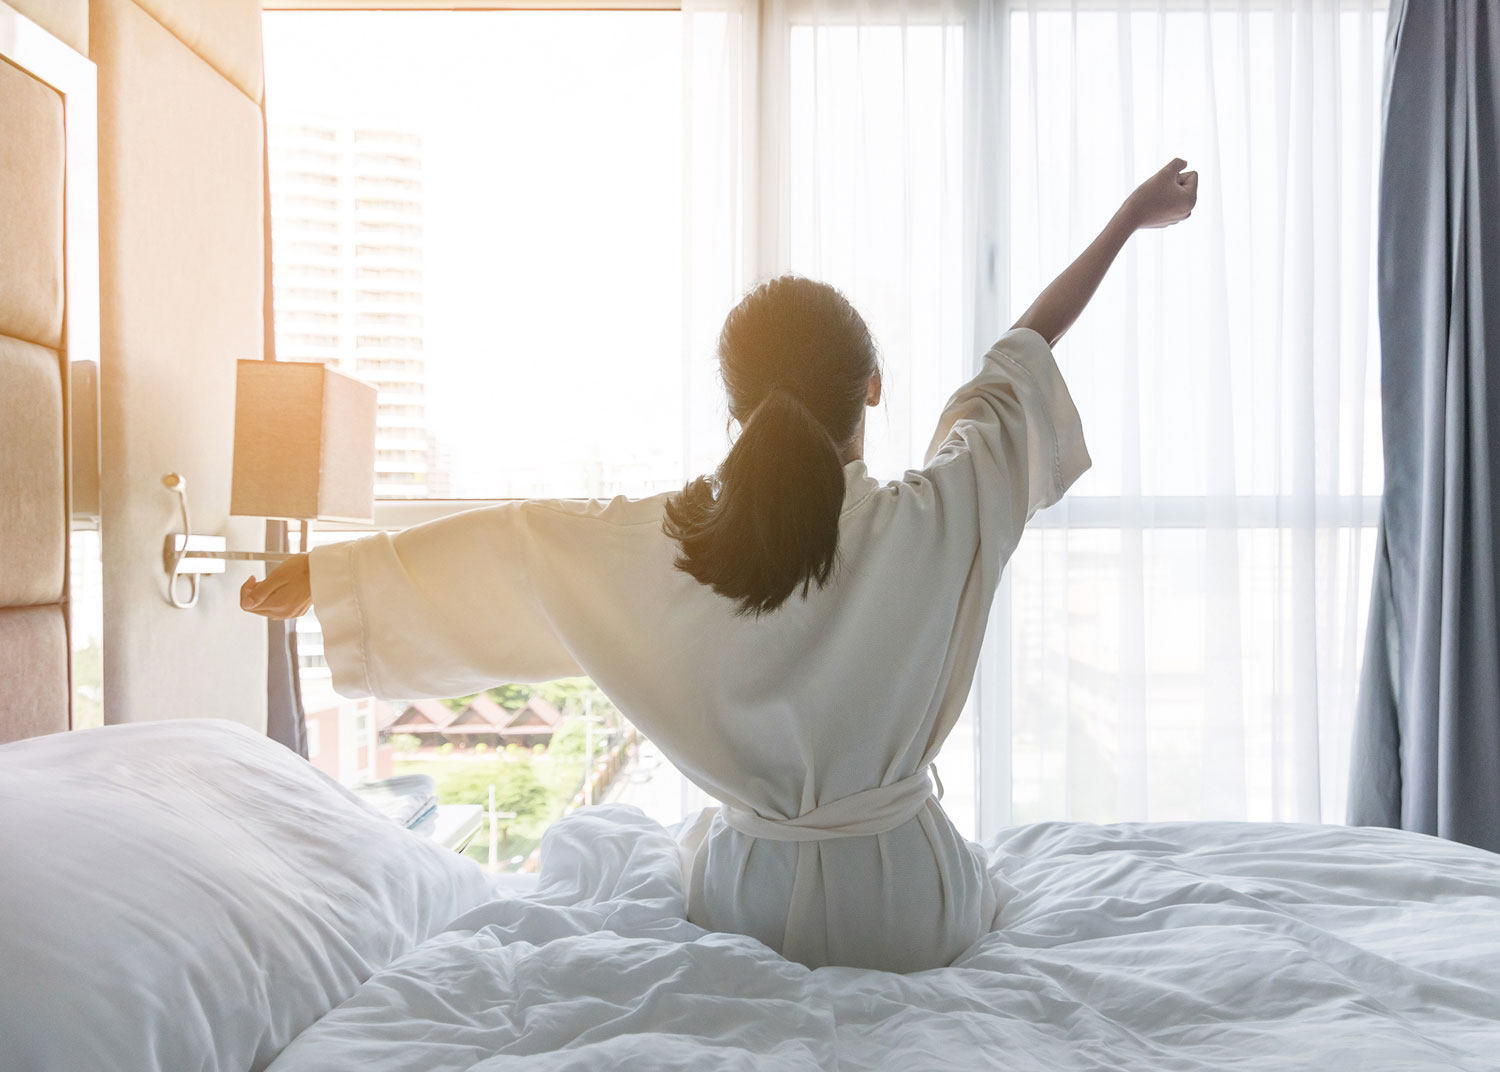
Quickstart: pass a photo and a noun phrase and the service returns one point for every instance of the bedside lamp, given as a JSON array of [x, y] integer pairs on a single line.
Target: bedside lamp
[[304, 450]]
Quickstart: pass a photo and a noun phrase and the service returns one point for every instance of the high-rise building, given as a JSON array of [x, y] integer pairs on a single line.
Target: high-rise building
[[347, 265], [346, 210]]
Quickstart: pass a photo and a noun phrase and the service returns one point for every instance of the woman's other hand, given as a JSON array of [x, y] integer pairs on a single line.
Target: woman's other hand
[[285, 593], [1165, 198]]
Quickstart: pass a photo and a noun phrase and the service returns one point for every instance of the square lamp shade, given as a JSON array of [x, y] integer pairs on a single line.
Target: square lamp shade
[[304, 443]]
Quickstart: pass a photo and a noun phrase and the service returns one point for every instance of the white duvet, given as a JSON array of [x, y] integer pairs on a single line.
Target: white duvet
[[1165, 947]]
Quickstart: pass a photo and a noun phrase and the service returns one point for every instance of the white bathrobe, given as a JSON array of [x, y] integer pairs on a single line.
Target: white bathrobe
[[815, 725]]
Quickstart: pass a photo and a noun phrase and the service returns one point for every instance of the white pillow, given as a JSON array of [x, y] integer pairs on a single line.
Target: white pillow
[[191, 895]]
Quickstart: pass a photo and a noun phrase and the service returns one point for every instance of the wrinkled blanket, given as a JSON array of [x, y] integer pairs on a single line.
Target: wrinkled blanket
[[1142, 946]]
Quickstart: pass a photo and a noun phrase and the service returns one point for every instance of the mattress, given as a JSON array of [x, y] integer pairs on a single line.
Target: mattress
[[1140, 946]]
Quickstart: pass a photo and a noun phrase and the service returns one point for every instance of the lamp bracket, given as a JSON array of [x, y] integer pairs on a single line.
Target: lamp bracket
[[184, 554], [207, 554], [188, 555]]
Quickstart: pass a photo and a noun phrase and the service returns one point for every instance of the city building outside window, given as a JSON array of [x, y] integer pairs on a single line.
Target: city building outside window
[[455, 260]]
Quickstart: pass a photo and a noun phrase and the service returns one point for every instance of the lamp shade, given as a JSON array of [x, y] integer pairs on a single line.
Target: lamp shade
[[304, 443]]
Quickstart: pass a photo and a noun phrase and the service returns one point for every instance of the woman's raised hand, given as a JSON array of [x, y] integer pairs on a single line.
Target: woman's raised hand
[[285, 593], [1162, 200], [1165, 198]]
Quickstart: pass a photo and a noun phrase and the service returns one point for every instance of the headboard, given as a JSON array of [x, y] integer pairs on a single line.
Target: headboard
[[48, 318]]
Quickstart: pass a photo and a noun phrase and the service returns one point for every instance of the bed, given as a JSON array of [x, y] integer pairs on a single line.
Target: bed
[[190, 895]]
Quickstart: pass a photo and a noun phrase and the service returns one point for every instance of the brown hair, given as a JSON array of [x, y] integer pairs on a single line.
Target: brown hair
[[796, 360]]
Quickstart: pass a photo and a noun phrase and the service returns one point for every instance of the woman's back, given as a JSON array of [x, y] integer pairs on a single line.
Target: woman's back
[[785, 716]]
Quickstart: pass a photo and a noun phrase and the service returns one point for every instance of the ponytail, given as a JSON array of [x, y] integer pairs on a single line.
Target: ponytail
[[798, 366], [774, 523]]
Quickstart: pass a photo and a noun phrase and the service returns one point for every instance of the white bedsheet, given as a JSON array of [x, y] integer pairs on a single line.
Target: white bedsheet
[[1166, 947]]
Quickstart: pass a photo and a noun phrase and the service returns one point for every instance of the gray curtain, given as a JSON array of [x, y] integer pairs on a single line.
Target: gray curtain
[[286, 721], [1427, 738]]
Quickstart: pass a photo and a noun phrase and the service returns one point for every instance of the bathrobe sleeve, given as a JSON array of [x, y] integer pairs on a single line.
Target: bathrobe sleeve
[[1010, 439], [443, 609]]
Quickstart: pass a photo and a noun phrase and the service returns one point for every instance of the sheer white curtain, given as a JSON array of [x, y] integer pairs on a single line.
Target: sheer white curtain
[[1187, 627], [1179, 638]]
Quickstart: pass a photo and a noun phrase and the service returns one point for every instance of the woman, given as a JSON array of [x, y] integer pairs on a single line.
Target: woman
[[797, 638]]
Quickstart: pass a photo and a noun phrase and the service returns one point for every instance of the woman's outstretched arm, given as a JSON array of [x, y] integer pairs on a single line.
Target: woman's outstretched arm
[[445, 608], [1162, 200]]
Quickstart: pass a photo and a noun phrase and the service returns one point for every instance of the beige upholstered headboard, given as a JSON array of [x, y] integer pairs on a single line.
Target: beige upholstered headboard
[[158, 135], [48, 316]]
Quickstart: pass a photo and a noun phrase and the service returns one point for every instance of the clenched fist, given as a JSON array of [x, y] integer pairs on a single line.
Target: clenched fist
[[1165, 198]]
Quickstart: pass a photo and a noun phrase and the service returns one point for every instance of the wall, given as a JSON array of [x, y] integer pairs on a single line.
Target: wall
[[181, 277], [67, 20]]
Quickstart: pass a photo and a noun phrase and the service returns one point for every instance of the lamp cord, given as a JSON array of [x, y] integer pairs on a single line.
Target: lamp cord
[[177, 554]]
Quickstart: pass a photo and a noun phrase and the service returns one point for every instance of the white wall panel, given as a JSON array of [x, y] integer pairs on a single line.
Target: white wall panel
[[181, 261]]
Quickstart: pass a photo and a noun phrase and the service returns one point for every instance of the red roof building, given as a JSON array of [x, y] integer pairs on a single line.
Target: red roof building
[[482, 720]]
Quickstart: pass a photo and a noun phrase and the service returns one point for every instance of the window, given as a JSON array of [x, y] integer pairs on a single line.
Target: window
[[310, 295], [306, 271], [315, 204], [378, 298], [389, 320], [466, 239], [297, 340], [312, 178], [1178, 638], [375, 183], [389, 275], [319, 250], [318, 226], [399, 161], [387, 227], [375, 251], [388, 342], [369, 205], [561, 177]]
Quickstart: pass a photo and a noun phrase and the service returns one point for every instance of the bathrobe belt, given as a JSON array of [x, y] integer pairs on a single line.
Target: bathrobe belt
[[871, 811]]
